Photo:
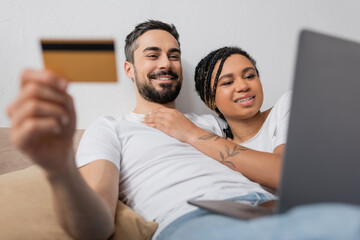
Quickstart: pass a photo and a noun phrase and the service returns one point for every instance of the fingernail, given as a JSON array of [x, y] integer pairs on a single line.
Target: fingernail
[[57, 130], [61, 84], [64, 120], [69, 105]]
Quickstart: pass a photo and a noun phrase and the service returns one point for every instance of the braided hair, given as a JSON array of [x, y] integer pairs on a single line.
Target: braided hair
[[203, 73]]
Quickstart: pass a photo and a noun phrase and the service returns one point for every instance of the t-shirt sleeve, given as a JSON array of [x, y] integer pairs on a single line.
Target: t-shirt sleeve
[[209, 123], [99, 142], [283, 119]]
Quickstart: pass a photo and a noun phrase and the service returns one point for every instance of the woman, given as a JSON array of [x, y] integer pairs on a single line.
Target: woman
[[227, 80]]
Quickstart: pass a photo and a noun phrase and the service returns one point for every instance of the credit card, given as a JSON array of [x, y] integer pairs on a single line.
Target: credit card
[[81, 60]]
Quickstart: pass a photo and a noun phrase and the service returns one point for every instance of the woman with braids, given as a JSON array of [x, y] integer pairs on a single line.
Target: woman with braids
[[228, 82]]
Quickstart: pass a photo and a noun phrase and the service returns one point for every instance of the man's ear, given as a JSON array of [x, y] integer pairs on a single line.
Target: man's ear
[[129, 70]]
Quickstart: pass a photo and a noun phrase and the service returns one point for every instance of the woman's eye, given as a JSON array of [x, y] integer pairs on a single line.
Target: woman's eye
[[226, 83], [251, 76]]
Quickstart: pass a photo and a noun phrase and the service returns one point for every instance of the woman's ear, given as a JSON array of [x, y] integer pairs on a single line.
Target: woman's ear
[[214, 106], [129, 70]]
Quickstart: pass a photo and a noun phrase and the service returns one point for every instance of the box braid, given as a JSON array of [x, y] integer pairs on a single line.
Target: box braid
[[203, 73]]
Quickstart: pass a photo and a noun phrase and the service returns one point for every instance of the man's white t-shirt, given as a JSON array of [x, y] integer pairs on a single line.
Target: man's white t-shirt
[[158, 173]]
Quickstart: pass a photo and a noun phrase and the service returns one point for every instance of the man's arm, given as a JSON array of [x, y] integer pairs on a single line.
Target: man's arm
[[103, 177], [83, 212], [43, 124], [86, 203]]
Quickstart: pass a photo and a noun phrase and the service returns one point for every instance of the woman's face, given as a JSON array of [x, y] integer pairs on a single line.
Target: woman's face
[[239, 91]]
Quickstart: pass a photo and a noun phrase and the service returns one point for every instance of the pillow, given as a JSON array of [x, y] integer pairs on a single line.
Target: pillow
[[26, 211]]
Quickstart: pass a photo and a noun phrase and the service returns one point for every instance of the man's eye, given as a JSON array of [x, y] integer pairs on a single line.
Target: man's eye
[[152, 56], [176, 57]]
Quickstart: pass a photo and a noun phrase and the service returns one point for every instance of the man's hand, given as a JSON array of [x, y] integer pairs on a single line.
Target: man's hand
[[173, 123], [43, 120]]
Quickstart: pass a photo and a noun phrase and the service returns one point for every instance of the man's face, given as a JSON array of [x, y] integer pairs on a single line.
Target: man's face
[[157, 66]]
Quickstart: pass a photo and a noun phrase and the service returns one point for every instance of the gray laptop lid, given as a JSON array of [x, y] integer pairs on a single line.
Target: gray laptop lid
[[322, 156]]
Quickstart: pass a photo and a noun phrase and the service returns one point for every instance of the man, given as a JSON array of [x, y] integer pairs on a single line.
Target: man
[[123, 158], [158, 174]]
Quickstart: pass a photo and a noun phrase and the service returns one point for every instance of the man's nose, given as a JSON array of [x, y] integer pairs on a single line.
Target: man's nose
[[164, 62]]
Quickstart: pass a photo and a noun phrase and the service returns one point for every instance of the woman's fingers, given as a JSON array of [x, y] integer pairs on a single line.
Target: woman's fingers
[[171, 122], [157, 119]]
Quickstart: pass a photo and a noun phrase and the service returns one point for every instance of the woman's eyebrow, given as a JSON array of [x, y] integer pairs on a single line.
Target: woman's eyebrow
[[247, 69], [225, 76]]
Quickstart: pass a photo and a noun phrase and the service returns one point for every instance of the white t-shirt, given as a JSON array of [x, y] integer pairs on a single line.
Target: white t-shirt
[[274, 130], [158, 173]]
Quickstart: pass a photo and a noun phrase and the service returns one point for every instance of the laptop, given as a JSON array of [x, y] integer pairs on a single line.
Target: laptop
[[322, 156]]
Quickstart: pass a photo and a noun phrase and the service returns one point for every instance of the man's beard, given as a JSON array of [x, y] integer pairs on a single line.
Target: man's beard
[[165, 95]]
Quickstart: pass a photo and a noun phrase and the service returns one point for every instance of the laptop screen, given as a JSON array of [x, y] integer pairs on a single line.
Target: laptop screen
[[322, 156]]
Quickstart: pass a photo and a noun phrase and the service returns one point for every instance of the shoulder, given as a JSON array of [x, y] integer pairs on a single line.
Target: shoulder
[[280, 112], [204, 118], [282, 106], [285, 100], [100, 141], [101, 125], [103, 121], [104, 128], [109, 122], [208, 122]]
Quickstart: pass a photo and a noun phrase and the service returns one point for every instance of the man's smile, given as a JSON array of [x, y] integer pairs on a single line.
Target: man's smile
[[163, 76]]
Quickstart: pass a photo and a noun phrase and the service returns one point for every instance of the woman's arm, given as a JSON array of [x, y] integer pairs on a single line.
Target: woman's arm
[[261, 167]]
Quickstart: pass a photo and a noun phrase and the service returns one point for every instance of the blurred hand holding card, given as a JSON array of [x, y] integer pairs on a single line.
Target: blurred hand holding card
[[81, 60]]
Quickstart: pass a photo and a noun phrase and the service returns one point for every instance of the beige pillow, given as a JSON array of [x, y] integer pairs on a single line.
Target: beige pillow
[[26, 211]]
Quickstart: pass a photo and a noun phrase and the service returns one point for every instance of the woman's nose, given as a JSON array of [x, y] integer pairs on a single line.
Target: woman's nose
[[241, 85]]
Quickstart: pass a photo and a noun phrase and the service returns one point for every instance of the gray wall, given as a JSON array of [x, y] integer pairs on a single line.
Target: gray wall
[[267, 29]]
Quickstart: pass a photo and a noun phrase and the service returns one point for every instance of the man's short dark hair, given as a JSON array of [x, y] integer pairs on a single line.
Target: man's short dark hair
[[130, 41]]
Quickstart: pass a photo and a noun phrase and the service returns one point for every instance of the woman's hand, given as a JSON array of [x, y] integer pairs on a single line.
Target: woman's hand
[[173, 123], [43, 120]]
